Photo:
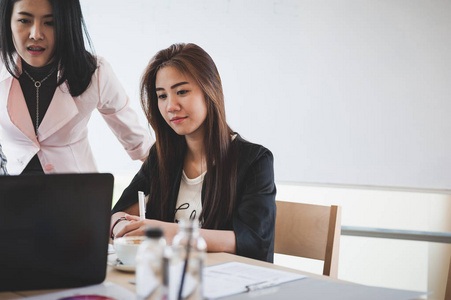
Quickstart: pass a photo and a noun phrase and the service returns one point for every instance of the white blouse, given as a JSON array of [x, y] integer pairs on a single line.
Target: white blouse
[[189, 200]]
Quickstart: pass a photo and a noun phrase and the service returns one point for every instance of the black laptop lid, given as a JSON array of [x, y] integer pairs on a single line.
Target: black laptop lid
[[54, 230]]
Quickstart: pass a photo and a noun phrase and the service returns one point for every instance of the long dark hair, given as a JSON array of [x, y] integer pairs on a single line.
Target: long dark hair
[[220, 180], [76, 64]]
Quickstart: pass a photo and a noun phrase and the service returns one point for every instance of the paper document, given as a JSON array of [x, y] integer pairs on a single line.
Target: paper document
[[233, 278]]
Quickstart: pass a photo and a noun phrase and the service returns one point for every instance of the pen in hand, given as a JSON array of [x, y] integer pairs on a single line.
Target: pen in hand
[[142, 205]]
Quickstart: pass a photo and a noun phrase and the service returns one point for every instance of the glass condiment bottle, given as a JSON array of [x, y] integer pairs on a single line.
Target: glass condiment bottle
[[186, 260], [149, 265]]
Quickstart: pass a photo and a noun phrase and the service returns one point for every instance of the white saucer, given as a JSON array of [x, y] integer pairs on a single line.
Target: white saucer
[[124, 268]]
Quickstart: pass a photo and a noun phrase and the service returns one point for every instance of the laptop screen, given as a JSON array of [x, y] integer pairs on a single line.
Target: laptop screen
[[54, 230]]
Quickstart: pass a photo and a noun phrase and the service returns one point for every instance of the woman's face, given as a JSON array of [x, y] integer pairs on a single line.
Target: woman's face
[[181, 102], [33, 32]]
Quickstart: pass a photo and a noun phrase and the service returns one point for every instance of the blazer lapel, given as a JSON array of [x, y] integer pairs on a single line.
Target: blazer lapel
[[18, 111], [61, 110]]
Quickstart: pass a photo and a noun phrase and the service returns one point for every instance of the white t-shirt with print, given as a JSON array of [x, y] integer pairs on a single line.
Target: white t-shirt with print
[[189, 200]]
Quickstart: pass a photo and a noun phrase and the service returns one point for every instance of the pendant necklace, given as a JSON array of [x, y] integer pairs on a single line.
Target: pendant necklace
[[37, 84]]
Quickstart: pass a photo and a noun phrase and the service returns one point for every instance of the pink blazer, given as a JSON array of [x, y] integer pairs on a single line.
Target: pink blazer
[[62, 144]]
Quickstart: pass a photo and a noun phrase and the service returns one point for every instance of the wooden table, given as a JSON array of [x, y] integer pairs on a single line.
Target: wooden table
[[123, 278]]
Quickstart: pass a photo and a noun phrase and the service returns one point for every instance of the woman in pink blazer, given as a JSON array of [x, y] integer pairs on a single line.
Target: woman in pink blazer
[[49, 86]]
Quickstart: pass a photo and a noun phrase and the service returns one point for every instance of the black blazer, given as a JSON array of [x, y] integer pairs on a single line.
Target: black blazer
[[253, 218]]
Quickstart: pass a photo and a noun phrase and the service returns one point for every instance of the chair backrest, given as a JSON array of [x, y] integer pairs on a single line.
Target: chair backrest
[[310, 231], [448, 284]]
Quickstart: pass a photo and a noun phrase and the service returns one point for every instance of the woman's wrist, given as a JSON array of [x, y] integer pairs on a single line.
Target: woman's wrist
[[114, 225]]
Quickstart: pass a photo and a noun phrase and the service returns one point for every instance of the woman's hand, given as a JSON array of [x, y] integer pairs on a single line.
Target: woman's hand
[[133, 226], [217, 240]]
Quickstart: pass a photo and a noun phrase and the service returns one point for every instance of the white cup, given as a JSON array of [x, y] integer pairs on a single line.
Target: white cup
[[126, 248]]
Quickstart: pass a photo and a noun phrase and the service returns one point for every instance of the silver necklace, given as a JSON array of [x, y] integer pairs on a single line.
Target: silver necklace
[[37, 84]]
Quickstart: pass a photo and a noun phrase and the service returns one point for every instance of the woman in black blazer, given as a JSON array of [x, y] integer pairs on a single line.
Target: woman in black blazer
[[199, 168]]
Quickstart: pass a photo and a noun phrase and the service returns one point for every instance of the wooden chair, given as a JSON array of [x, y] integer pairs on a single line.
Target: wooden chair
[[448, 284], [310, 231]]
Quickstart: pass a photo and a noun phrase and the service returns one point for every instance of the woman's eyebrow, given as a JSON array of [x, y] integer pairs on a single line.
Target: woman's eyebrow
[[179, 84], [25, 13], [172, 87], [31, 15]]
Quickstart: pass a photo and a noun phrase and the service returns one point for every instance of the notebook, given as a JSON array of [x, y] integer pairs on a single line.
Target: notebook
[[54, 230]]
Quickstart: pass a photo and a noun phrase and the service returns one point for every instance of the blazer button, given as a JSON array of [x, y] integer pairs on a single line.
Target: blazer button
[[48, 167]]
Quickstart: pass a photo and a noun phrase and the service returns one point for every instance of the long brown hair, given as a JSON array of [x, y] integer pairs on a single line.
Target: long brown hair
[[220, 180]]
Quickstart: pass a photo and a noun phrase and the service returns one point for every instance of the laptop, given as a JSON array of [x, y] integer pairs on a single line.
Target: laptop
[[54, 230]]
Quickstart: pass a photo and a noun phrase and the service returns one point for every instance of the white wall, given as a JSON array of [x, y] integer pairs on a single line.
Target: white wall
[[347, 91]]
